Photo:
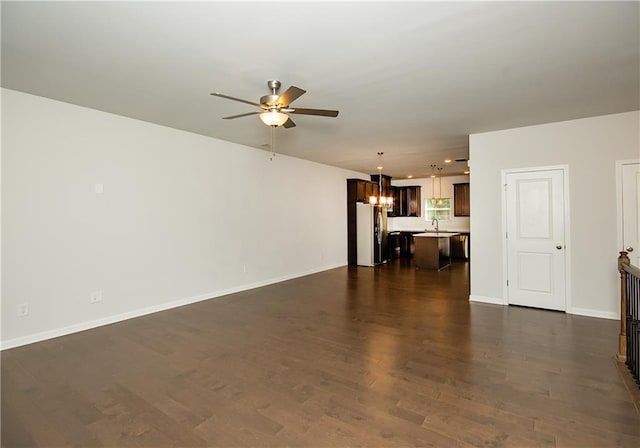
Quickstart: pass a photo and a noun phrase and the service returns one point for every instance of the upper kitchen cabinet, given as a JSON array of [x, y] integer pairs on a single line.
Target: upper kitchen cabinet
[[413, 201], [399, 202], [361, 190], [407, 201], [461, 199]]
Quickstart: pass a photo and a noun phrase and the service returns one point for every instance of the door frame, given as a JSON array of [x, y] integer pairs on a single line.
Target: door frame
[[567, 227], [619, 165]]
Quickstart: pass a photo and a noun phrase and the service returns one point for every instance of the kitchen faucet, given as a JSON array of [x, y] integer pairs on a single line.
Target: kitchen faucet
[[435, 220]]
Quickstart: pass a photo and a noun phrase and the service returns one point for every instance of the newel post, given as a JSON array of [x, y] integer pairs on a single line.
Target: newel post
[[622, 343]]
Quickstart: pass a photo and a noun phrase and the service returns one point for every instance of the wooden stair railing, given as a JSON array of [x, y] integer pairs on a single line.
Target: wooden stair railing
[[629, 342]]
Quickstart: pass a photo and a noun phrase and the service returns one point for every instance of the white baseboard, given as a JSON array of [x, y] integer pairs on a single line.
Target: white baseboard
[[485, 299], [577, 311], [82, 326], [594, 313]]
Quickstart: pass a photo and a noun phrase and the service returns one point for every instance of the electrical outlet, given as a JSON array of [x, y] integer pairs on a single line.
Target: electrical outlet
[[95, 297], [23, 310]]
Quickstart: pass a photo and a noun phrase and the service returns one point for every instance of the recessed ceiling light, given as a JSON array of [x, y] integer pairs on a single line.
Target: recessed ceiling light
[[447, 161], [409, 176]]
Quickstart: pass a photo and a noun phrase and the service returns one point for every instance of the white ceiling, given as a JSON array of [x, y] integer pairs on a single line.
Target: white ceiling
[[410, 79]]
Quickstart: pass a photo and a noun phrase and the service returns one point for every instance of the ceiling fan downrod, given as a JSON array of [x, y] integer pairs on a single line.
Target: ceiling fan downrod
[[272, 98]]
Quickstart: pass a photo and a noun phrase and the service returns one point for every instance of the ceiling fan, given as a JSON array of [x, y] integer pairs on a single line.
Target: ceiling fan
[[274, 106]]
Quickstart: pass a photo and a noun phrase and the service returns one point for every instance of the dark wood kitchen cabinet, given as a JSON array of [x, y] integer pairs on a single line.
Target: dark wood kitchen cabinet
[[461, 203], [413, 201], [361, 190], [398, 199], [356, 191], [407, 201]]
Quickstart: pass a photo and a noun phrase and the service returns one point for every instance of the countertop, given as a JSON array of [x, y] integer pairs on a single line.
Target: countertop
[[442, 234], [414, 231]]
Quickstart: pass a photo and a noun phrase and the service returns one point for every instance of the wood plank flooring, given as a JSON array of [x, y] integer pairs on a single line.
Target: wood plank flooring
[[377, 357]]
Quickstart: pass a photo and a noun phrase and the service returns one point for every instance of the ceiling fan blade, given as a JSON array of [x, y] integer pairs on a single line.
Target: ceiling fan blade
[[231, 117], [290, 95], [289, 123], [235, 99], [322, 112]]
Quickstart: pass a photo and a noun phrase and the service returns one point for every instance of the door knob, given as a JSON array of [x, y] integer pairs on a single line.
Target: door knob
[[558, 247], [629, 249]]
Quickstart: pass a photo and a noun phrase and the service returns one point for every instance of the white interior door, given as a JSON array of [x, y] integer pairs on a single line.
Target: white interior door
[[536, 239], [631, 211]]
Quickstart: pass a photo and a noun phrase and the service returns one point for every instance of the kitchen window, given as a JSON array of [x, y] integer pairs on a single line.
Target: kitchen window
[[438, 208]]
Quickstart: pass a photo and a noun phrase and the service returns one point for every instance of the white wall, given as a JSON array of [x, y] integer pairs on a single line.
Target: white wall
[[418, 223], [183, 217], [590, 148]]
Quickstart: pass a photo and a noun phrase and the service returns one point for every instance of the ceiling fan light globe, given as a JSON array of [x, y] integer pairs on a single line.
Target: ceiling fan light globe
[[274, 118]]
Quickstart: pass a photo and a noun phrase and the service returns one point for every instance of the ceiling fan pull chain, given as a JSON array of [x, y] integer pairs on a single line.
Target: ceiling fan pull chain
[[273, 141]]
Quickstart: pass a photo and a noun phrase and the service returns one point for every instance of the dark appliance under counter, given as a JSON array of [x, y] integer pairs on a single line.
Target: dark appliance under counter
[[394, 244]]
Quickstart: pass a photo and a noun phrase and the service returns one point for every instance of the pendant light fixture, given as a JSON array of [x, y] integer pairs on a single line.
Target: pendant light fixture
[[436, 200], [433, 182], [438, 207], [440, 179], [380, 176], [385, 201]]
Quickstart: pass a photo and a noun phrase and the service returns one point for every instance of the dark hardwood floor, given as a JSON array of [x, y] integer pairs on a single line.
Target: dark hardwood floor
[[387, 356]]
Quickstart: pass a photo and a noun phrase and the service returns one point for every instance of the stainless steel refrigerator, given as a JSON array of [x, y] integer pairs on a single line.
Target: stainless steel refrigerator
[[371, 228]]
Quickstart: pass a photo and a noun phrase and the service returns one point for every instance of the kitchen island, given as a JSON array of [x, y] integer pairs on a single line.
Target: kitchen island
[[433, 250]]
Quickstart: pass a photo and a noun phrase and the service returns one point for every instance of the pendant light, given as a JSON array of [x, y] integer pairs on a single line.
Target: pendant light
[[440, 179], [380, 176], [433, 182], [385, 201]]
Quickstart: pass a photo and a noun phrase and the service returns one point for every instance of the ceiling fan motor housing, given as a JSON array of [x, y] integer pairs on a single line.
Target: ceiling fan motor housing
[[269, 100]]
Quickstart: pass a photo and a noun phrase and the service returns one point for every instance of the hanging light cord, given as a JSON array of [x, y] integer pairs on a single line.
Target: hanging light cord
[[433, 181], [380, 176]]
